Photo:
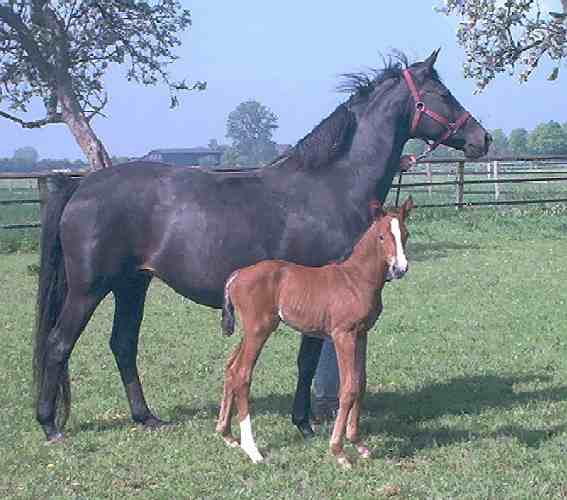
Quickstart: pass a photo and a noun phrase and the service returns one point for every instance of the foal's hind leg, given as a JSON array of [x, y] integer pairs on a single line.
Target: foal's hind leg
[[130, 296], [74, 316], [225, 413], [238, 380]]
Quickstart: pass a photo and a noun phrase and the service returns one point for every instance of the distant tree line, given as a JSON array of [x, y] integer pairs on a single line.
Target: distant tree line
[[548, 138], [251, 124], [26, 159]]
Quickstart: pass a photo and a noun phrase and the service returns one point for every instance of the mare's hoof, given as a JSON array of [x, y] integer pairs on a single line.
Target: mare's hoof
[[153, 423], [306, 431], [55, 438]]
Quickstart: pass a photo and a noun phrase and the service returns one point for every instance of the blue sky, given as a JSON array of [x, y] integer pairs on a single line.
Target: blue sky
[[287, 55]]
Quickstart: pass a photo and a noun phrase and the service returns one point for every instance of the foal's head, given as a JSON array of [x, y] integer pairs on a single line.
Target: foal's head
[[392, 236]]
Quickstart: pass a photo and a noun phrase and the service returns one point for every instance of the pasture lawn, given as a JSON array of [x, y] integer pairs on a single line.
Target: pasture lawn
[[467, 388]]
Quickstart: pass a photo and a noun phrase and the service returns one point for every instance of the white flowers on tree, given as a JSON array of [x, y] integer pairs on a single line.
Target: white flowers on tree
[[509, 36]]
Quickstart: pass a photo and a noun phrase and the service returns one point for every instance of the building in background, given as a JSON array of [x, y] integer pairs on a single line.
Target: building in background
[[186, 157]]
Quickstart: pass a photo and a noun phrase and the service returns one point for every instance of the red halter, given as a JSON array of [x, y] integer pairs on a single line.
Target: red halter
[[421, 109]]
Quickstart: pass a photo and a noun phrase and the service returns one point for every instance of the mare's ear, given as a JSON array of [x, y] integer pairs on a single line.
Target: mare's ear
[[376, 209], [406, 207], [424, 70], [431, 60]]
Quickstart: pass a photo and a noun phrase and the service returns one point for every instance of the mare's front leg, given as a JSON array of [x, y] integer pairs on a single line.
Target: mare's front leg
[[346, 347], [352, 431], [307, 360]]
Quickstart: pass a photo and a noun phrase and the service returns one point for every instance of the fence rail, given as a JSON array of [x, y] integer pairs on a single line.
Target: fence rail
[[493, 167]]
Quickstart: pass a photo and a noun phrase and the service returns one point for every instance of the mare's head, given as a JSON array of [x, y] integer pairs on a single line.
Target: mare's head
[[437, 116], [427, 108], [391, 231]]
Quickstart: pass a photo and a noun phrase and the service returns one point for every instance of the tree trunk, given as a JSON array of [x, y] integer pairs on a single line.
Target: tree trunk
[[81, 129]]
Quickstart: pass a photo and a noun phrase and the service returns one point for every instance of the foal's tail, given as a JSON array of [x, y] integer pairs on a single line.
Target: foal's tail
[[228, 321], [52, 291]]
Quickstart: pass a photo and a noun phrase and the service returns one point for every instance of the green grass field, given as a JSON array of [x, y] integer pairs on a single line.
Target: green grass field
[[467, 393]]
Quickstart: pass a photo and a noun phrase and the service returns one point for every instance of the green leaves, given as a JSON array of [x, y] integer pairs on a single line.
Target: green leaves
[[250, 126], [554, 74], [80, 40]]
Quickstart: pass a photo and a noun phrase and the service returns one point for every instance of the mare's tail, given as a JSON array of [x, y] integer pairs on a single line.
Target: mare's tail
[[228, 320], [52, 291]]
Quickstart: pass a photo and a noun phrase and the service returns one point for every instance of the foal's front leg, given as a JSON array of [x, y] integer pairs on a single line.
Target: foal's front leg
[[352, 431], [346, 347]]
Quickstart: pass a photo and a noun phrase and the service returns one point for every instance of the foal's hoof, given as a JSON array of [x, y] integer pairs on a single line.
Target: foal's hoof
[[344, 462], [153, 423], [306, 431], [56, 437], [231, 441], [363, 451]]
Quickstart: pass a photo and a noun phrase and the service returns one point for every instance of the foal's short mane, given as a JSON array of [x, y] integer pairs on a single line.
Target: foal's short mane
[[348, 252], [332, 137]]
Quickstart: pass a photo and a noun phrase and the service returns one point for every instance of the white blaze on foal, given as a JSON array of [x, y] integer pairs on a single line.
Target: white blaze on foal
[[401, 261]]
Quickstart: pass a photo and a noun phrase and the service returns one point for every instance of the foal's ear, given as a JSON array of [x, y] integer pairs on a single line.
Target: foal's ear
[[376, 210], [406, 207]]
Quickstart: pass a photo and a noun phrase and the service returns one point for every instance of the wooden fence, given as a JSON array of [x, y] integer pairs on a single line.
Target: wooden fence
[[543, 169], [495, 169], [41, 183]]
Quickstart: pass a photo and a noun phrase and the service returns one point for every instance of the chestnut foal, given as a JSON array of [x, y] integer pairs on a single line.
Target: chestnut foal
[[342, 301]]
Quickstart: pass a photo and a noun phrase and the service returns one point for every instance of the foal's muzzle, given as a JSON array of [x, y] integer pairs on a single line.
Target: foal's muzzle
[[395, 272]]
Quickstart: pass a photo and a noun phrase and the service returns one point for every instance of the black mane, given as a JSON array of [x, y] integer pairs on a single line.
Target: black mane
[[331, 138], [362, 83]]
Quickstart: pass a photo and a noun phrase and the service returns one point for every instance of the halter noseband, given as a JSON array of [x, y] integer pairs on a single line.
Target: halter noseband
[[421, 109]]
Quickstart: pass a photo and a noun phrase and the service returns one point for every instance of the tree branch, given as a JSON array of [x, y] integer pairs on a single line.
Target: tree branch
[[50, 118]]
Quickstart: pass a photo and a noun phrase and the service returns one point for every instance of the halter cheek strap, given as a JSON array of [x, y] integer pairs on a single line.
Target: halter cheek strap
[[421, 109]]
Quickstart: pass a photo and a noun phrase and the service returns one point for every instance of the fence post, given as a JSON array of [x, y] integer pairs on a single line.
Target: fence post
[[43, 189], [488, 167], [429, 178], [460, 184], [400, 177], [495, 176]]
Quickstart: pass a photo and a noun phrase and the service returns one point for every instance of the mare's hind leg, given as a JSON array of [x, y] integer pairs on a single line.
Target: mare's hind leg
[[75, 314], [130, 296], [307, 360]]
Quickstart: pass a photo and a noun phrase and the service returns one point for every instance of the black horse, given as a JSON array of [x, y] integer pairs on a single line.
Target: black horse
[[191, 228]]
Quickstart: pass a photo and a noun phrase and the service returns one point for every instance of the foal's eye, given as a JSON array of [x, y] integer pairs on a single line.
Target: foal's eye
[[381, 237]]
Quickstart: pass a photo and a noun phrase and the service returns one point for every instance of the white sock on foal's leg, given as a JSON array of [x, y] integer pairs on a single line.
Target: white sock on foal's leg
[[247, 440]]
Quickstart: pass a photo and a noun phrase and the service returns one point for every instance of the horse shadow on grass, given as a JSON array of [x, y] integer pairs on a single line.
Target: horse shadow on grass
[[423, 252], [406, 419]]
